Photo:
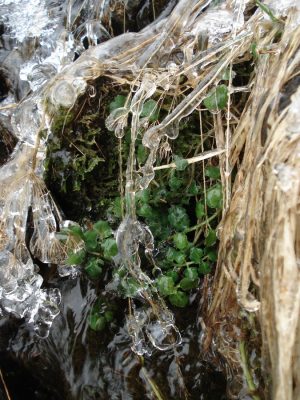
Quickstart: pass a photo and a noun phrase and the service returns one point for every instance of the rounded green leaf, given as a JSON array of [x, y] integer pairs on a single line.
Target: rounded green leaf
[[188, 284], [191, 273], [174, 275], [175, 183], [97, 323], [150, 110], [118, 102], [117, 207], [212, 255], [193, 189], [76, 258], [214, 197], [180, 163], [94, 268], [204, 268], [91, 240], [145, 211], [76, 231], [200, 210], [179, 299], [109, 316], [179, 258], [142, 154], [143, 196], [178, 218], [110, 248], [171, 254], [165, 285], [212, 172], [103, 229], [196, 254], [217, 98], [211, 238], [181, 241]]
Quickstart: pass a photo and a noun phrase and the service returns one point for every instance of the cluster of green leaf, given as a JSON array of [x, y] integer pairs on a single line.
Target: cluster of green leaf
[[99, 247], [175, 213], [101, 315]]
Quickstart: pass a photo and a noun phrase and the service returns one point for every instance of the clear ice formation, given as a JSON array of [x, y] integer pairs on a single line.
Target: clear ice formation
[[22, 190]]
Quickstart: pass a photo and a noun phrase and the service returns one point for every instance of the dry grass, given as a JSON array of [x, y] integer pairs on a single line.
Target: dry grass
[[258, 266]]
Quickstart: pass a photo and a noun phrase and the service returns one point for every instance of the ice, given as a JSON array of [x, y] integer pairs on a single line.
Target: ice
[[117, 121], [28, 18], [21, 292]]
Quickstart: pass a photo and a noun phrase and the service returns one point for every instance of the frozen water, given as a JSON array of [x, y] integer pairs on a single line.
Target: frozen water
[[28, 18]]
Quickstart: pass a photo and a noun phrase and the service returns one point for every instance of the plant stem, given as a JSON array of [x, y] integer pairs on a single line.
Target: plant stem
[[195, 227], [4, 385], [200, 157], [247, 373]]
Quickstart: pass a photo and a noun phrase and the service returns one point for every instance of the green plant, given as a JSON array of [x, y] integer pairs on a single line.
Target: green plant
[[102, 315], [98, 247]]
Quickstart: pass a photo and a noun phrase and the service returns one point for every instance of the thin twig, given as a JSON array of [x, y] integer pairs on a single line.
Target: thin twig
[[4, 385], [200, 157]]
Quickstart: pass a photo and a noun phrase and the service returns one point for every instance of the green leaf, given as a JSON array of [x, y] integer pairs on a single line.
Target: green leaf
[[165, 285], [150, 110], [142, 154], [96, 322], [214, 197], [174, 275], [110, 248], [191, 273], [76, 231], [267, 10], [253, 51], [179, 299], [200, 210], [212, 255], [212, 172], [180, 163], [109, 316], [118, 102], [171, 254], [204, 268], [93, 268], [175, 183], [196, 254], [117, 207], [143, 196], [217, 98], [193, 189], [178, 218], [91, 240], [188, 284], [145, 211], [103, 229], [76, 258], [179, 258], [181, 241], [211, 238]]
